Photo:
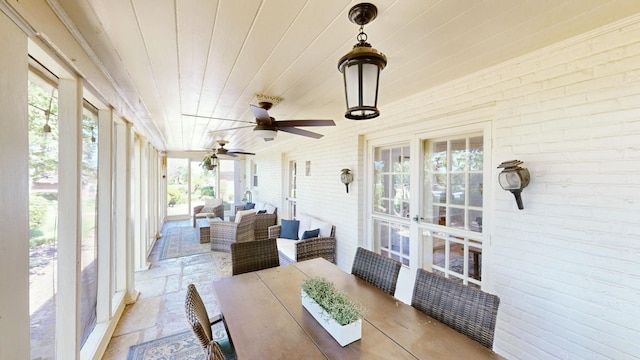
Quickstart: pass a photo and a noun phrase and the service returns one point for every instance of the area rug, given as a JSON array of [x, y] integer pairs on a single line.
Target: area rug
[[182, 241], [181, 346]]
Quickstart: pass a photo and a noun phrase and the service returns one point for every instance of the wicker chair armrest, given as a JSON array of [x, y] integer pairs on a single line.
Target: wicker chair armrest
[[196, 209], [239, 208], [274, 231], [316, 247]]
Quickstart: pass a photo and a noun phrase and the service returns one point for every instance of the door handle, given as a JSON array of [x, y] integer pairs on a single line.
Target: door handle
[[417, 218]]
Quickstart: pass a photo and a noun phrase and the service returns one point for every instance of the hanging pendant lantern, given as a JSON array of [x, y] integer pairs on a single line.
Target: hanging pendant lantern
[[361, 68]]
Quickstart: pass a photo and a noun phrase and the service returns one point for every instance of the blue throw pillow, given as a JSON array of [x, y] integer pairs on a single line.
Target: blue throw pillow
[[289, 229], [310, 234], [249, 206]]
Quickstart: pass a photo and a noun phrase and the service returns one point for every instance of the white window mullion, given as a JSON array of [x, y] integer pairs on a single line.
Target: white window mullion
[[105, 199], [69, 234]]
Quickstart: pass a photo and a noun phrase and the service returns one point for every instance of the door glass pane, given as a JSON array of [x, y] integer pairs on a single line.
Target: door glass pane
[[177, 186], [392, 181], [227, 184], [452, 199], [393, 240], [89, 248], [203, 184], [43, 215]]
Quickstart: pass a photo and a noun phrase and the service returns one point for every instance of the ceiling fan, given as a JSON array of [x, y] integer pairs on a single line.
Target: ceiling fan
[[221, 151], [267, 127]]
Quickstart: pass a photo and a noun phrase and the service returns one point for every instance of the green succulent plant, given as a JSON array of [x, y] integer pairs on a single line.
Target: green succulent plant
[[335, 302]]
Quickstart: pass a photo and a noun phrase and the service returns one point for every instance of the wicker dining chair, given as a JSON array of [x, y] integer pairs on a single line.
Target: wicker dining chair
[[198, 319], [254, 255], [466, 309], [376, 269]]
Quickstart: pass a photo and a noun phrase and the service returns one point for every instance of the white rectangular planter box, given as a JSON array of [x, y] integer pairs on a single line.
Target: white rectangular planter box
[[344, 334]]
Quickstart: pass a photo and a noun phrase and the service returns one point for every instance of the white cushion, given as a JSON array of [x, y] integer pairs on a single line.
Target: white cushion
[[325, 228], [287, 247], [259, 206], [305, 222], [239, 214], [212, 202], [270, 208]]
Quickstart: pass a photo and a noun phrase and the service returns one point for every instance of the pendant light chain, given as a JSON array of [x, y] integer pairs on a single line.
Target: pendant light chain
[[362, 36]]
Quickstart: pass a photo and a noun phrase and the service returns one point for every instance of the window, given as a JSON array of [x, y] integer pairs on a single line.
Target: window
[[392, 167], [452, 198], [88, 198], [255, 175], [43, 212], [391, 196]]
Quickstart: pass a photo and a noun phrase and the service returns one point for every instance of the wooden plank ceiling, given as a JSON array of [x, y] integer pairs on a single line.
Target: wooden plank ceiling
[[210, 57]]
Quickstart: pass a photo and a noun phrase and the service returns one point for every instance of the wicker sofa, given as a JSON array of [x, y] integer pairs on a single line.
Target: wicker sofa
[[290, 250], [211, 208], [266, 215]]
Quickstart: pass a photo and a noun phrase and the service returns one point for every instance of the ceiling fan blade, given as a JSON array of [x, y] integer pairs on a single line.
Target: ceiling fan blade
[[218, 118], [240, 152], [280, 123], [260, 113], [307, 133], [233, 128]]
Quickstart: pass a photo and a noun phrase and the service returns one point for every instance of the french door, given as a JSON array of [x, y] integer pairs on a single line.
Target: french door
[[440, 227]]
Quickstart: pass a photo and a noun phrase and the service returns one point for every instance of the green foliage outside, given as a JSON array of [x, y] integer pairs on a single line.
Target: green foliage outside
[[38, 207], [175, 195]]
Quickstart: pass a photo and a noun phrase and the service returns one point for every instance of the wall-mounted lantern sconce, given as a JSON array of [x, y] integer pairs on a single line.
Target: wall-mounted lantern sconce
[[361, 68], [514, 178], [346, 177]]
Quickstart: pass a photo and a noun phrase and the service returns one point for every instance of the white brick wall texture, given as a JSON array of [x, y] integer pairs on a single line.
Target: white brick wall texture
[[567, 267]]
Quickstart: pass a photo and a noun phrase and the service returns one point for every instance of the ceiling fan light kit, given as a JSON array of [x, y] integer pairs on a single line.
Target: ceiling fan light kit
[[361, 68]]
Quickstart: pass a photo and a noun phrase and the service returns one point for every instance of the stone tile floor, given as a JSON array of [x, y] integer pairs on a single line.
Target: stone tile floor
[[159, 310]]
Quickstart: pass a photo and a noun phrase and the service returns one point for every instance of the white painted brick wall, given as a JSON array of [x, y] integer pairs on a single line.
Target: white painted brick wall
[[567, 267]]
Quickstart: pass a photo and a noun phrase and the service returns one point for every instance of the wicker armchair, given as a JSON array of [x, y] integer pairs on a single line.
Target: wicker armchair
[[312, 248], [376, 269], [262, 222], [199, 322], [225, 233], [466, 309], [254, 255], [218, 211]]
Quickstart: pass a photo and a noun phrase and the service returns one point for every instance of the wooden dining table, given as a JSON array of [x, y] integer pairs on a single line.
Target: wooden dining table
[[265, 319]]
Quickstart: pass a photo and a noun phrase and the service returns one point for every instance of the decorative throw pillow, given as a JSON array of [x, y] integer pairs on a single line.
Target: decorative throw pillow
[[249, 206], [242, 213], [207, 209], [212, 202], [310, 234], [270, 208], [289, 229], [261, 212]]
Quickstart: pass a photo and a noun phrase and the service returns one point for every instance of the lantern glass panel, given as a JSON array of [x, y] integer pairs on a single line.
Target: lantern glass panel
[[351, 84], [369, 84], [509, 180]]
